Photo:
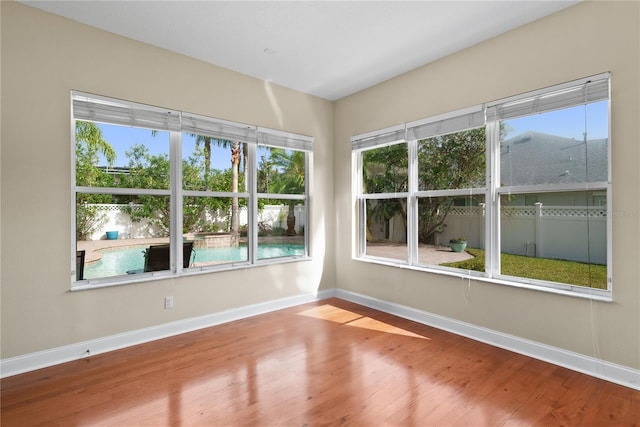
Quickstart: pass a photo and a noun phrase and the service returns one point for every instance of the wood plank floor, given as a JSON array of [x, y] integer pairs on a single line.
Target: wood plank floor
[[325, 363]]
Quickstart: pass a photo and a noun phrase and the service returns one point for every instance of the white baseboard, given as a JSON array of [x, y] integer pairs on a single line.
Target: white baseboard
[[42, 359], [602, 369], [608, 371]]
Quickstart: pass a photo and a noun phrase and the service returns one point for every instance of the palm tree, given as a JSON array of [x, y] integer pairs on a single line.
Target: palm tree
[[290, 180], [236, 149], [89, 143], [206, 142], [235, 166], [245, 155]]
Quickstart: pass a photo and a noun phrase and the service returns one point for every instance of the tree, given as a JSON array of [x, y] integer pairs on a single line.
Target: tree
[[265, 172], [453, 161], [236, 153], [206, 142], [89, 143], [150, 172], [385, 170], [235, 207], [153, 172], [197, 210], [289, 180]]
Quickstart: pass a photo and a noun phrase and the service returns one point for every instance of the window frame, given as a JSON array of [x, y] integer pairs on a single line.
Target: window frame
[[363, 197], [100, 109], [266, 142], [518, 106]]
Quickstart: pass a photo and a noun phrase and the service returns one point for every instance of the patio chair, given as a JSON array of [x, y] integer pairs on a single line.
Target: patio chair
[[156, 257], [80, 265]]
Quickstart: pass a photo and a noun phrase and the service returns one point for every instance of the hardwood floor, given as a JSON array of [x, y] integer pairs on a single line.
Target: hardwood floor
[[326, 363]]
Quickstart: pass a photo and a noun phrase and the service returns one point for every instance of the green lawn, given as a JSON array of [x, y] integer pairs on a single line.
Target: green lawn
[[574, 273]]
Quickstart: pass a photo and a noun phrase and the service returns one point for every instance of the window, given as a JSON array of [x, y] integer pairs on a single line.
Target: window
[[281, 196], [385, 200], [153, 186], [553, 191], [521, 183]]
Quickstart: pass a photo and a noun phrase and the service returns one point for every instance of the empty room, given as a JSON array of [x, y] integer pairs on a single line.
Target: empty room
[[360, 213]]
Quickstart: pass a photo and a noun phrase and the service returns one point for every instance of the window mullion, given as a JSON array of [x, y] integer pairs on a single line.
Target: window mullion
[[282, 196], [356, 192], [122, 191], [252, 214], [74, 197], [552, 188], [412, 203], [492, 206], [455, 192], [176, 208], [362, 227], [307, 203]]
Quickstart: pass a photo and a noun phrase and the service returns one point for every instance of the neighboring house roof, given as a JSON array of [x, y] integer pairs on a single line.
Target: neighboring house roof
[[537, 158]]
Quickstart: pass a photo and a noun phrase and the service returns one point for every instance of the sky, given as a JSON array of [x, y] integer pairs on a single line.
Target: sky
[[569, 123], [122, 138]]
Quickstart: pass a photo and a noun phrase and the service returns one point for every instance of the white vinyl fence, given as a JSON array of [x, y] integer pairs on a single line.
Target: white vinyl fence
[[576, 233], [115, 218]]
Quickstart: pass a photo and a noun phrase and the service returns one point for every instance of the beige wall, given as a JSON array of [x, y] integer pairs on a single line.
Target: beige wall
[[583, 40], [44, 57]]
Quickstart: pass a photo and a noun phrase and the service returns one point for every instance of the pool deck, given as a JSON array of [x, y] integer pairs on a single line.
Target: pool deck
[[94, 248], [427, 254]]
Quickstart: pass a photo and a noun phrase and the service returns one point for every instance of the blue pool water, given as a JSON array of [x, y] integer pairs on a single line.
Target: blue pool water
[[117, 262]]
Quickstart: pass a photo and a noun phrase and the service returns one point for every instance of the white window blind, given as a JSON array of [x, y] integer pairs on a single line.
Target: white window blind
[[275, 138], [456, 121], [217, 128], [380, 137], [570, 94], [109, 110]]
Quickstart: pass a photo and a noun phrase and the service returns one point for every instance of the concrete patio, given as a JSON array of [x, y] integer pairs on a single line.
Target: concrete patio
[[427, 254]]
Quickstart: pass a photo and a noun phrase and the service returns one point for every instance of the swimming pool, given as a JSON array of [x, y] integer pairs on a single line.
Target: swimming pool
[[119, 261]]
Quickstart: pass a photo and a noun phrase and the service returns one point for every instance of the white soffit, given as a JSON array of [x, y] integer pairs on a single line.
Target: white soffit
[[329, 49]]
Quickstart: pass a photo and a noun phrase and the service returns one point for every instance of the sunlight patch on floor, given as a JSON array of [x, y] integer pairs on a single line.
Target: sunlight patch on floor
[[349, 318], [376, 325], [331, 313]]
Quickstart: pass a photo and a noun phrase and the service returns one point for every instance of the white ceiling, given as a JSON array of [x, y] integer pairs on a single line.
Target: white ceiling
[[330, 49]]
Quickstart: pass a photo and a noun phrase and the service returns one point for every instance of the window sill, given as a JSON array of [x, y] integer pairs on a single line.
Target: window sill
[[558, 289], [162, 275]]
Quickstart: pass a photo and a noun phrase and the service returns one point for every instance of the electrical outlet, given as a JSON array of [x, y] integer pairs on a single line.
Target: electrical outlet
[[168, 302]]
